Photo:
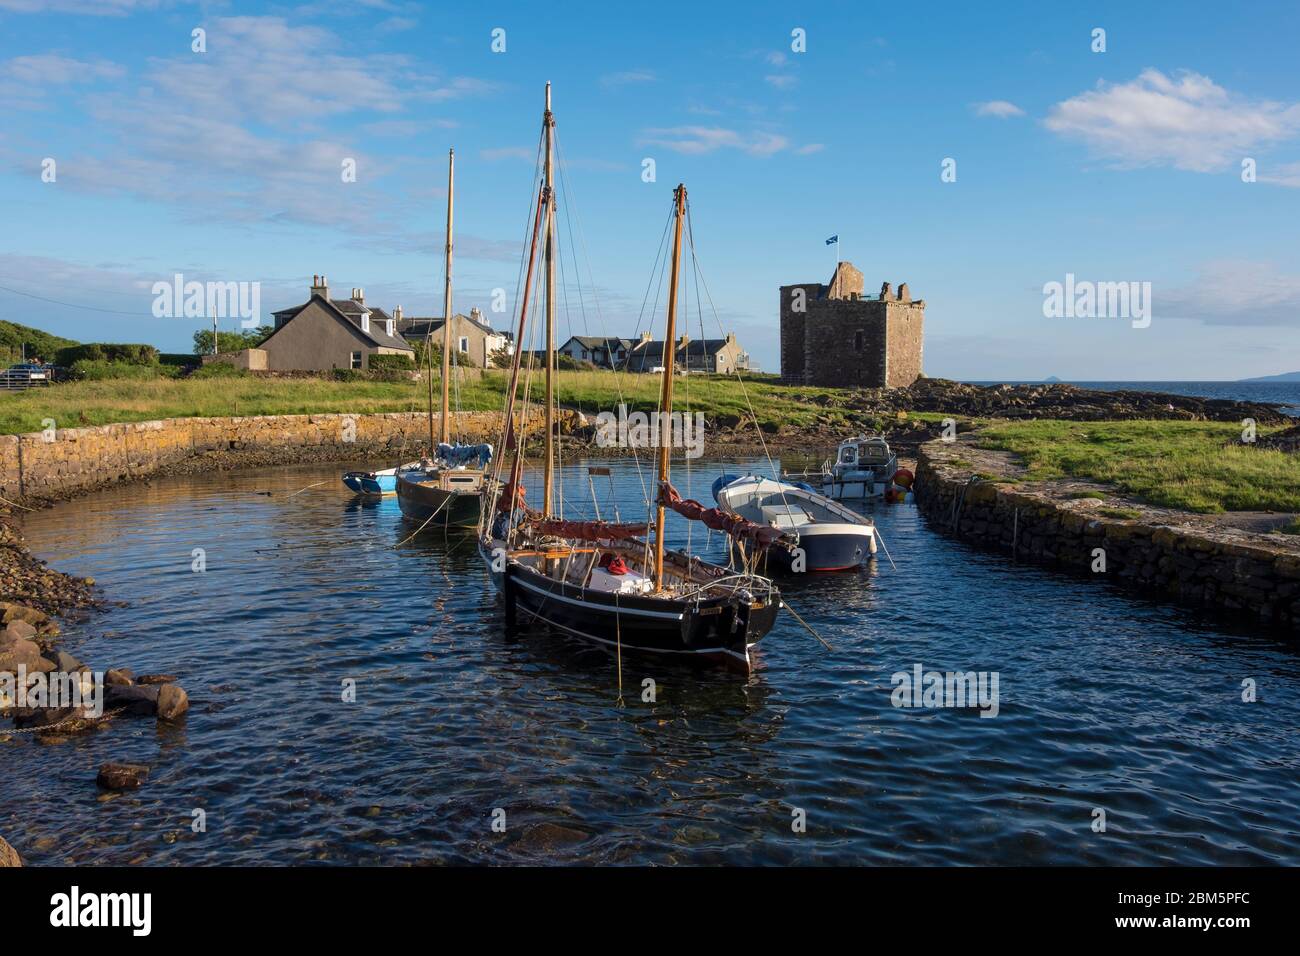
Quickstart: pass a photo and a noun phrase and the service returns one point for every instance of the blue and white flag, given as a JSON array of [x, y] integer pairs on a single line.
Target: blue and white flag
[[833, 240]]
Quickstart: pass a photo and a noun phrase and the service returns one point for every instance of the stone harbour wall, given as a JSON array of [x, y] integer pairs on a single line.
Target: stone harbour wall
[[1164, 553], [56, 464]]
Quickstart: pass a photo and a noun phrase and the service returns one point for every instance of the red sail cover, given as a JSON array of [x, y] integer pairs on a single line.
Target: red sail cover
[[717, 519], [586, 530]]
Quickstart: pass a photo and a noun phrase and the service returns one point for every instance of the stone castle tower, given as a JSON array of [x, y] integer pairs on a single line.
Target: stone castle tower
[[834, 335]]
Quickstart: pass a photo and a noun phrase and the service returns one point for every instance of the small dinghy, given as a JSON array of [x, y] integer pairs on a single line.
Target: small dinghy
[[376, 483], [828, 536]]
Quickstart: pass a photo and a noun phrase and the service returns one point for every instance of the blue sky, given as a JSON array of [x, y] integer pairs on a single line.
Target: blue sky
[[1123, 165]]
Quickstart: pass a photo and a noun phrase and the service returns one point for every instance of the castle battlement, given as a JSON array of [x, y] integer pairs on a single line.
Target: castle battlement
[[834, 334]]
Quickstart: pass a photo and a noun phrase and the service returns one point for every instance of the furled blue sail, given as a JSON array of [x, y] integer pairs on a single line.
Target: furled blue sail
[[455, 455]]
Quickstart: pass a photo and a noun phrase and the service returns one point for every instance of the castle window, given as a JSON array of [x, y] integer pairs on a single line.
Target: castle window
[[857, 341]]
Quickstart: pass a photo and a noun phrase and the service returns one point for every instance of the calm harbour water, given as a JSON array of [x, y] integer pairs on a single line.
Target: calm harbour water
[[1106, 701]]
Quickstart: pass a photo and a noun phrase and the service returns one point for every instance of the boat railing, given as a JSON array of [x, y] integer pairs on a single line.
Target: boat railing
[[731, 583]]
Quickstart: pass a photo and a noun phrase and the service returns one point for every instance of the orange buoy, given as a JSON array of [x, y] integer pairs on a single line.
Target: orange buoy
[[903, 477]]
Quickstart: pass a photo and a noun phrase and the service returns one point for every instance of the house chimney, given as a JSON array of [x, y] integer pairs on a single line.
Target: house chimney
[[397, 314], [476, 314], [682, 342], [645, 337], [904, 293], [731, 338], [359, 295], [320, 287]]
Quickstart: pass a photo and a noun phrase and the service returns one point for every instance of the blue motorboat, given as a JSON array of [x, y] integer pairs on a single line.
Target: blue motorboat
[[376, 483]]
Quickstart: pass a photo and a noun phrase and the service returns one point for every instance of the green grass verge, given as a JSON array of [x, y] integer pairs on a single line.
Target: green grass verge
[[74, 404], [1188, 465]]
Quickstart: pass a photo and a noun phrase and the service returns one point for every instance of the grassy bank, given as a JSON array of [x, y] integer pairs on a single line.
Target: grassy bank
[[75, 404], [1190, 465]]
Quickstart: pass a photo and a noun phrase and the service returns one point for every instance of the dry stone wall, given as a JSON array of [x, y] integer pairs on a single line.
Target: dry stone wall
[[58, 463], [1248, 574]]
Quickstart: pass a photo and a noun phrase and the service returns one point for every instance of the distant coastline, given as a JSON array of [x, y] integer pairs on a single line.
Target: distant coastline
[[1274, 391]]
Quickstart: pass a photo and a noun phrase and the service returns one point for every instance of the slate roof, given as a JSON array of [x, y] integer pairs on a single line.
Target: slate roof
[[350, 311], [419, 327]]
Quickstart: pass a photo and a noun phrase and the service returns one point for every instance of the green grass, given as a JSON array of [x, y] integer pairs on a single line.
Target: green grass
[[1188, 465], [74, 404]]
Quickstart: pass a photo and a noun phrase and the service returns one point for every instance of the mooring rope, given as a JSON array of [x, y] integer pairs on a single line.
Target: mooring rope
[[301, 490], [806, 625], [881, 539], [426, 522], [17, 505]]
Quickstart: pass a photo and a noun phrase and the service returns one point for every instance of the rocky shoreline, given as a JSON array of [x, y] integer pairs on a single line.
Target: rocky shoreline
[[45, 691]]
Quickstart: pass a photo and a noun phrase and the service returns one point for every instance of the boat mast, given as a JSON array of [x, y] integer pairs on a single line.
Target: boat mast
[[666, 397], [548, 479], [446, 310]]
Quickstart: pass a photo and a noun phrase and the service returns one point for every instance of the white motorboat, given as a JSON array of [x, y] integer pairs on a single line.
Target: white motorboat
[[829, 536], [864, 467]]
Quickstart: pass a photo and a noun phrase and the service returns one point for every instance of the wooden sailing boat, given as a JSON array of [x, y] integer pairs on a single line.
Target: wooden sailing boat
[[444, 490], [601, 581]]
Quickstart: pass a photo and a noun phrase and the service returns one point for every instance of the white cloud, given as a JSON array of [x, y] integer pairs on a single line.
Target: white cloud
[[1234, 292], [695, 140], [1186, 121], [627, 78], [256, 131], [782, 81], [1286, 174], [1002, 109], [49, 69], [508, 152], [27, 81], [102, 8]]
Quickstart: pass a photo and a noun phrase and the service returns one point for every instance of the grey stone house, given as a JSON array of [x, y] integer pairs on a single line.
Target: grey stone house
[[471, 334], [325, 333], [833, 334], [600, 351], [720, 356]]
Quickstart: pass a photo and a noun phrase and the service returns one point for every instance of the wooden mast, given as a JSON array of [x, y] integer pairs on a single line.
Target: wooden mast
[[446, 309], [666, 396], [548, 477]]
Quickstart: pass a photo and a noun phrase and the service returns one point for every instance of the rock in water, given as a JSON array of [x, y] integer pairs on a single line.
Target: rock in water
[[67, 663], [32, 717], [121, 776], [118, 677], [8, 855], [172, 702], [18, 612], [155, 679], [20, 630], [140, 701]]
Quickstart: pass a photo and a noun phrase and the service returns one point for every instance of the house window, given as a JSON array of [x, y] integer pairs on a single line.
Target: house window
[[857, 341], [356, 360], [389, 328], [464, 343], [365, 322]]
